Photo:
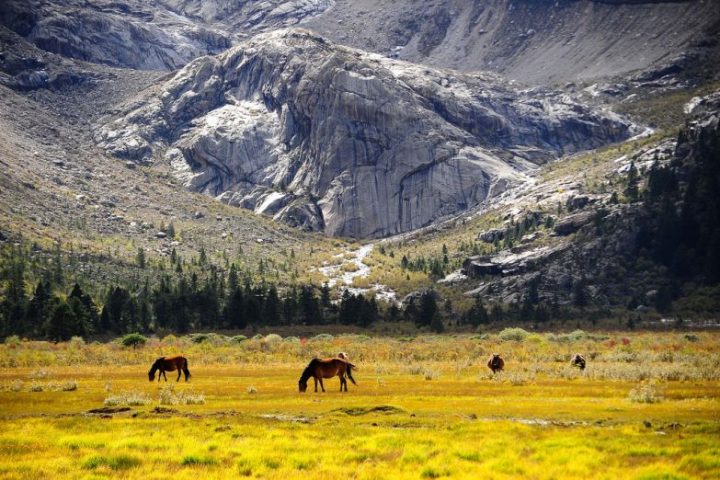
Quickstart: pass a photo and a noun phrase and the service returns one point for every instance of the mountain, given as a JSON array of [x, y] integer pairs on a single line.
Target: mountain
[[531, 41], [156, 35], [354, 144], [522, 153]]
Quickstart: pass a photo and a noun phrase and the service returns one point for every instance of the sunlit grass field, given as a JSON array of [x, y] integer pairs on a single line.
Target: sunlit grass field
[[647, 407]]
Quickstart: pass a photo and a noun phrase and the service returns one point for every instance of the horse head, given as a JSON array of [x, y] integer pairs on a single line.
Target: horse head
[[302, 385], [151, 373]]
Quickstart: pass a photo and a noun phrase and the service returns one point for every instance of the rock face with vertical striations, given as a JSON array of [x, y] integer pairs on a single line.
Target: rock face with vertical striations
[[155, 35], [355, 144]]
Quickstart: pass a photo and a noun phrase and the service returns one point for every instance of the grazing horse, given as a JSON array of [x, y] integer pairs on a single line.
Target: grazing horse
[[496, 363], [578, 361], [170, 364], [326, 368]]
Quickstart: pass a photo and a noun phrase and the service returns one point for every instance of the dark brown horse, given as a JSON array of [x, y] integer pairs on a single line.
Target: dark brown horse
[[496, 363], [169, 364], [326, 368], [578, 361]]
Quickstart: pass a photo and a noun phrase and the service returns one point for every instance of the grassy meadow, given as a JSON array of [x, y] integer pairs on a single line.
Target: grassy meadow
[[646, 407]]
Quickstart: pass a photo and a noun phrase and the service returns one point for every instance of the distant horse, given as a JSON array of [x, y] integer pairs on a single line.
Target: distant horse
[[578, 361], [169, 364], [344, 356], [496, 363], [326, 368]]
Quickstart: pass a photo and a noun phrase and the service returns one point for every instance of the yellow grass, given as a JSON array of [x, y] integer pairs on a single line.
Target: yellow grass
[[423, 408]]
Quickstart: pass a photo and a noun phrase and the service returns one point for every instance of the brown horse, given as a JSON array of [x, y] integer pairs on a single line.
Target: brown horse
[[326, 368], [496, 363], [170, 364], [578, 361]]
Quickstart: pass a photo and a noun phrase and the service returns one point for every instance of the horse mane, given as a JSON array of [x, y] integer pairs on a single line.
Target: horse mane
[[307, 373], [155, 366]]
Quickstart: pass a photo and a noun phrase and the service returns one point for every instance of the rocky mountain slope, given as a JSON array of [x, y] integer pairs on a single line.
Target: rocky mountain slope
[[334, 139], [155, 35], [58, 190], [534, 42]]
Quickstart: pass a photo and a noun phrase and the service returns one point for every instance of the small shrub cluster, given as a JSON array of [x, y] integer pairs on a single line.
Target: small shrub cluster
[[168, 396], [119, 462], [513, 335], [35, 386], [645, 392], [133, 340], [127, 398]]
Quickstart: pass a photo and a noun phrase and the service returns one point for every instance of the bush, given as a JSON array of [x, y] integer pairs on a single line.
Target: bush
[[323, 337], [77, 342], [574, 336], [69, 386], [645, 392], [120, 462], [190, 460], [238, 338], [127, 398], [513, 334], [211, 338], [12, 340], [272, 338], [37, 387], [200, 337], [168, 396], [133, 340]]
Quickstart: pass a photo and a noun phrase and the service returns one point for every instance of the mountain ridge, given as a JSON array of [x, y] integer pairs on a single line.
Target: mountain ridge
[[290, 113]]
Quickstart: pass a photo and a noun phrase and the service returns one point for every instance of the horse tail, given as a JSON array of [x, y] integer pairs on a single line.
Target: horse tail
[[186, 370], [349, 372]]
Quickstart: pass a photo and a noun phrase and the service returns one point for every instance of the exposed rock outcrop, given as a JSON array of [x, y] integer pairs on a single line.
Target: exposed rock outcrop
[[334, 138], [532, 41], [511, 262], [160, 35]]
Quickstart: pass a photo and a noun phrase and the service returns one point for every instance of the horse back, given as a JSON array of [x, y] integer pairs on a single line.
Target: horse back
[[176, 362]]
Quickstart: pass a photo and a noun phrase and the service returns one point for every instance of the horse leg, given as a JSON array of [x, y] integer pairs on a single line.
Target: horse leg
[[165, 375], [315, 378], [179, 374], [321, 384]]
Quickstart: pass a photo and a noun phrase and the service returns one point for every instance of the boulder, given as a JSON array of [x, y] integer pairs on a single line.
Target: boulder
[[490, 236], [573, 223]]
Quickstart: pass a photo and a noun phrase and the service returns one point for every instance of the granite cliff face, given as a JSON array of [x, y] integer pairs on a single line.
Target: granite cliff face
[[335, 139], [148, 35], [531, 41]]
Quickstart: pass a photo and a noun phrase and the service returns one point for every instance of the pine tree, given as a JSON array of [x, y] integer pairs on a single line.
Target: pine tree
[[39, 308], [309, 306], [234, 311], [428, 309], [15, 304], [632, 189], [325, 296], [140, 257], [233, 279], [581, 297], [61, 323], [271, 308]]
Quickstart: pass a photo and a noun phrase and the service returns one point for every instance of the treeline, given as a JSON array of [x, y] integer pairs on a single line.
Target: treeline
[[177, 302], [682, 227]]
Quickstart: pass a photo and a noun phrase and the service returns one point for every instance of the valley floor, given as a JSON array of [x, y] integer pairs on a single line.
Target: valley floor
[[645, 408]]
